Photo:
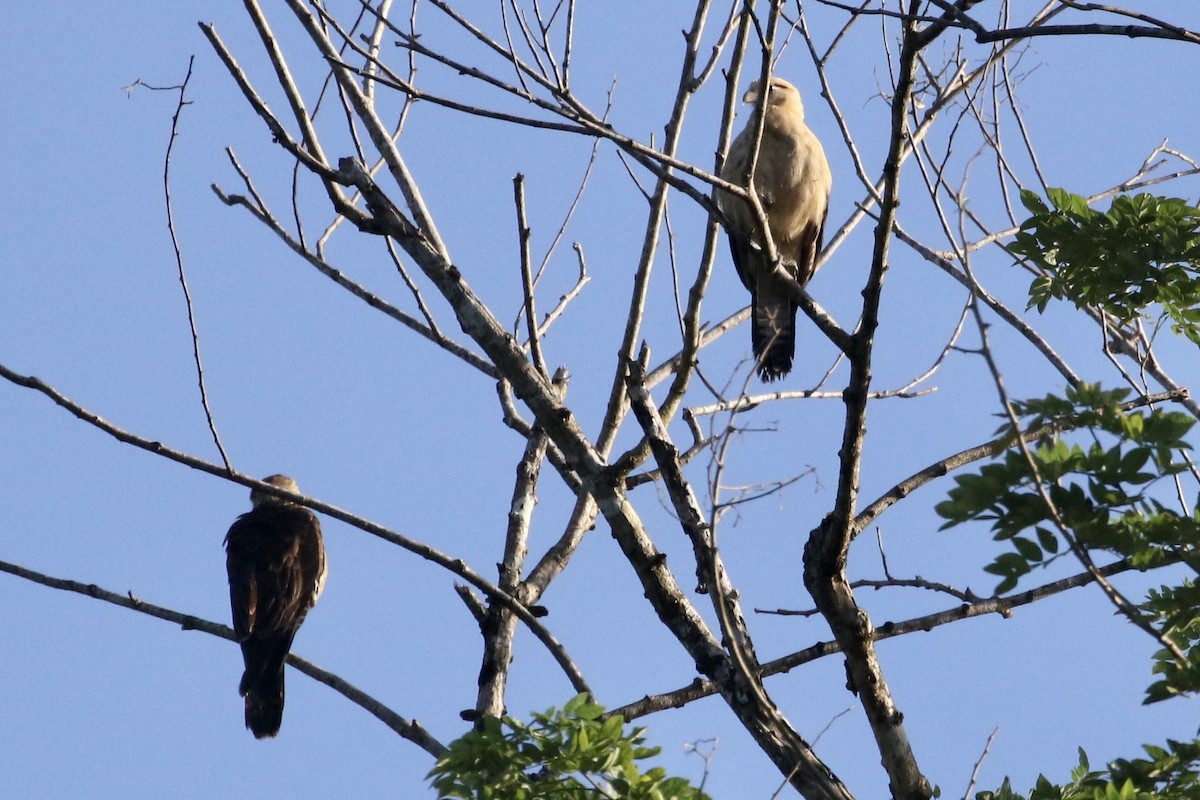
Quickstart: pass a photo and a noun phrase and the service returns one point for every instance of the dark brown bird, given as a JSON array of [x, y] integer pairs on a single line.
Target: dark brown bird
[[276, 563], [792, 181]]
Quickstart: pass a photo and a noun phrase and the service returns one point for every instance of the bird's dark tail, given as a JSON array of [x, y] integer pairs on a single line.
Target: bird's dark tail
[[262, 685], [773, 336], [264, 708]]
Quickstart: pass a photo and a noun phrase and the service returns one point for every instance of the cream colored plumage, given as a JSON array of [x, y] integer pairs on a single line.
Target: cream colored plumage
[[792, 181]]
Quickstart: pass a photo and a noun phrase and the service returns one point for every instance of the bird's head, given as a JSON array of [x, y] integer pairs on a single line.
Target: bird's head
[[260, 498], [782, 95]]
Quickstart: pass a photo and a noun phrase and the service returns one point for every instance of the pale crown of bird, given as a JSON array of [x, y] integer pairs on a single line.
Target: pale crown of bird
[[784, 109], [260, 498]]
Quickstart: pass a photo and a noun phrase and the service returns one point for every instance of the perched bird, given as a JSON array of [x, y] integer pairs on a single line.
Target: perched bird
[[792, 182], [276, 564]]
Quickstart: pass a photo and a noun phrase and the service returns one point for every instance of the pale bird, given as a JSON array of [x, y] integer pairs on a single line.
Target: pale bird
[[792, 182]]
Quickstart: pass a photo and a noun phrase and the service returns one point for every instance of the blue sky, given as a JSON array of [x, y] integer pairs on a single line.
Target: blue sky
[[99, 701]]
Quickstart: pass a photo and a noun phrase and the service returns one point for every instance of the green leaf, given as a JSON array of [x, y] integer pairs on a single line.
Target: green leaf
[[1047, 540], [1027, 549]]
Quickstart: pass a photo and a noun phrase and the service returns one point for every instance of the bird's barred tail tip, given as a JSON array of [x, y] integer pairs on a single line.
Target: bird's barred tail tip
[[775, 347], [774, 366]]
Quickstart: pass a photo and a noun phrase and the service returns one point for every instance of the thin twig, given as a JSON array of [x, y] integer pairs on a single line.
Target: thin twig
[[529, 306], [565, 300], [987, 748], [187, 294]]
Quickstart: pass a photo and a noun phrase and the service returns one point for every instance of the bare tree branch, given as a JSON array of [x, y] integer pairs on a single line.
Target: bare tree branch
[[409, 729], [499, 626], [960, 611]]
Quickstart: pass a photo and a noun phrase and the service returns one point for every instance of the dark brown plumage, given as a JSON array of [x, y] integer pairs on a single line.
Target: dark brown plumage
[[792, 181], [276, 563]]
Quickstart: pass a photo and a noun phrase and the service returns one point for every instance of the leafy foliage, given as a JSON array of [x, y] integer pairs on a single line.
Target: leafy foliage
[[566, 755], [1087, 476], [1098, 493], [1144, 251], [1173, 771], [1098, 489], [1176, 610], [1169, 773]]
